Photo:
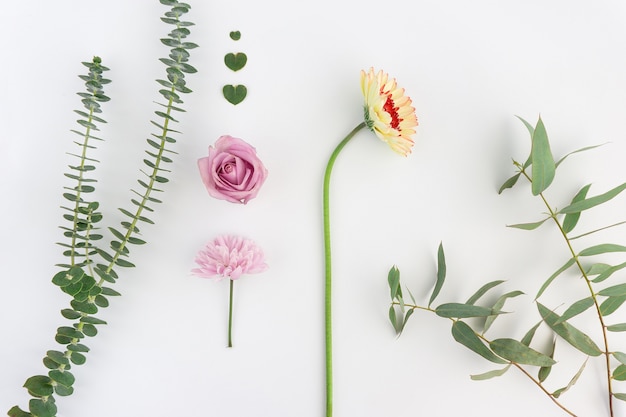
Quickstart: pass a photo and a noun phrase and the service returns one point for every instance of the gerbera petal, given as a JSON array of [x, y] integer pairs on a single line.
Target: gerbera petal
[[388, 111]]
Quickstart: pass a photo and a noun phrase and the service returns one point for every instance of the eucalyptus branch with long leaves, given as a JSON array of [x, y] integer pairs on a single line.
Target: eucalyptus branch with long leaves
[[86, 260], [588, 264]]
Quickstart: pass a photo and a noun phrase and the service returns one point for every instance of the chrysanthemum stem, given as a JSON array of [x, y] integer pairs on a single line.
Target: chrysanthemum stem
[[230, 314], [328, 270]]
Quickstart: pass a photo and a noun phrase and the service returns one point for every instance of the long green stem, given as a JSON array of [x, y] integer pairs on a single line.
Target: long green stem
[[328, 271], [230, 314], [607, 352]]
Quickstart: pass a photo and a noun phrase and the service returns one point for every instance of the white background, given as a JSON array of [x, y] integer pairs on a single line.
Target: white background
[[470, 67]]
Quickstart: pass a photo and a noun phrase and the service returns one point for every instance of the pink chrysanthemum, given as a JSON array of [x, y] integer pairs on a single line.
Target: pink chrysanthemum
[[388, 111], [229, 257]]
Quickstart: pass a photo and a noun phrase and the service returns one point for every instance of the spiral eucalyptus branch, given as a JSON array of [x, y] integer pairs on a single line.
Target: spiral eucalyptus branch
[[77, 278]]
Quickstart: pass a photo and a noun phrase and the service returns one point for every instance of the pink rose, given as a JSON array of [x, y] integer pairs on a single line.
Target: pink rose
[[232, 171]]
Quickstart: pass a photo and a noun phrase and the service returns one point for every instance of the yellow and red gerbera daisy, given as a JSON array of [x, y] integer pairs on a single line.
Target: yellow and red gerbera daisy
[[388, 112]]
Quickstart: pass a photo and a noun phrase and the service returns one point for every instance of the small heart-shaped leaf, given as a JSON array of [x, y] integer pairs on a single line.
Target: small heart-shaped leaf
[[235, 93], [235, 35], [235, 61]]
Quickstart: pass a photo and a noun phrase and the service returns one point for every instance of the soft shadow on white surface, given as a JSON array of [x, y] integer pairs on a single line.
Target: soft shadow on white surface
[[470, 67]]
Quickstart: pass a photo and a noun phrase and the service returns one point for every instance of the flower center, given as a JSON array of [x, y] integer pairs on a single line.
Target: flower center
[[390, 108], [228, 168]]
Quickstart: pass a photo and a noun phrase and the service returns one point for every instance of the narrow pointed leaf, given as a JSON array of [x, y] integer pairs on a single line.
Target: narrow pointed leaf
[[603, 248], [528, 226], [393, 278], [557, 393], [528, 337], [463, 333], [558, 272], [575, 309], [459, 310], [498, 307], [621, 327], [569, 333], [586, 148], [608, 272], [619, 374], [614, 291], [543, 166], [491, 374], [571, 219], [518, 352], [620, 356], [509, 183], [441, 274], [611, 304], [591, 202], [545, 371], [482, 291]]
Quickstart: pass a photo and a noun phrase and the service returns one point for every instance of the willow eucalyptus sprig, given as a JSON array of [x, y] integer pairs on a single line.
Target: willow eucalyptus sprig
[[540, 169], [77, 277]]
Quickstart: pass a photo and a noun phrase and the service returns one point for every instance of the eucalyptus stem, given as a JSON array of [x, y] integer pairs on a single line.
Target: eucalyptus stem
[[328, 270], [230, 314], [553, 215], [513, 363]]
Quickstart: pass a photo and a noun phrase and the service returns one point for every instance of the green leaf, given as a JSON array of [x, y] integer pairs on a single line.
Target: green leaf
[[603, 248], [63, 391], [57, 357], [543, 166], [569, 333], [71, 276], [611, 304], [557, 393], [606, 273], [78, 358], [408, 314], [618, 395], [77, 347], [620, 356], [84, 306], [509, 183], [528, 337], [393, 278], [614, 291], [621, 327], [518, 352], [528, 226], [41, 408], [70, 314], [70, 332], [558, 272], [15, 411], [491, 374], [39, 386], [571, 219], [591, 202], [62, 377], [441, 274], [482, 291], [530, 127], [577, 151], [576, 308], [619, 374], [393, 318], [544, 371], [89, 329], [459, 310], [498, 307], [464, 334]]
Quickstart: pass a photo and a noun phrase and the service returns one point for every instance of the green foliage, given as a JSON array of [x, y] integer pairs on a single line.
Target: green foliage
[[588, 263], [88, 260]]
